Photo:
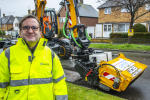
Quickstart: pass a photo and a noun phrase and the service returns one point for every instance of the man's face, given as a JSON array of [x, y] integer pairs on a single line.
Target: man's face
[[30, 35]]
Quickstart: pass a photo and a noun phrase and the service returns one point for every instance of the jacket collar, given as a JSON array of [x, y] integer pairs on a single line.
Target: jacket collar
[[40, 44]]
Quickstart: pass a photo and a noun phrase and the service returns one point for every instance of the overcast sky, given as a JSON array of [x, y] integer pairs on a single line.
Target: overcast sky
[[20, 7]]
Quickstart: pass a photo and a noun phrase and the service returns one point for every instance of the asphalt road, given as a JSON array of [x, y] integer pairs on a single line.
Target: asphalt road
[[139, 90]]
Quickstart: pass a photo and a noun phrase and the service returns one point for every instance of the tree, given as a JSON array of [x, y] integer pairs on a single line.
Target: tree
[[133, 7]]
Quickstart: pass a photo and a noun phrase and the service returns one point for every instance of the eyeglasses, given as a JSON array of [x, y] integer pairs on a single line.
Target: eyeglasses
[[26, 28]]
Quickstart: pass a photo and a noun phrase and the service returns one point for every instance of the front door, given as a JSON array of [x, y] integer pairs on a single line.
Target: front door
[[107, 29]]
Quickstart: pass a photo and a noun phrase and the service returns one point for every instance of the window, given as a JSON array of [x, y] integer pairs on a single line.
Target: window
[[123, 27], [127, 27], [16, 24], [4, 25], [148, 26], [147, 6], [62, 19], [124, 9], [107, 10], [107, 28]]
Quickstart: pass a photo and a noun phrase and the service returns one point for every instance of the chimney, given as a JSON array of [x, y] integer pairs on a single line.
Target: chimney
[[3, 15], [81, 1], [29, 11]]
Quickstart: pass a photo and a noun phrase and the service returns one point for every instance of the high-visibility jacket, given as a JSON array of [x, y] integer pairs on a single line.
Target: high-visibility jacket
[[27, 76]]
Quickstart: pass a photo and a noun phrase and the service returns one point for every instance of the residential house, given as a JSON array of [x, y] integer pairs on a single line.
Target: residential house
[[16, 24], [87, 14], [7, 24], [111, 20]]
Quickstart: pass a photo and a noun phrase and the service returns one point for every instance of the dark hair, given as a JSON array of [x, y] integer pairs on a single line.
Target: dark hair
[[26, 17]]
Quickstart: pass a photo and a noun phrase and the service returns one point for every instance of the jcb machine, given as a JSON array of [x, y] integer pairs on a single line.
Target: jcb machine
[[50, 30], [97, 67]]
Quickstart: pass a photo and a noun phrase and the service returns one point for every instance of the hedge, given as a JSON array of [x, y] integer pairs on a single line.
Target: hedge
[[141, 35]]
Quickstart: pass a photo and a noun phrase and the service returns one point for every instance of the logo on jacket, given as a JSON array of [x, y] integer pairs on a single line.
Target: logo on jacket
[[45, 64]]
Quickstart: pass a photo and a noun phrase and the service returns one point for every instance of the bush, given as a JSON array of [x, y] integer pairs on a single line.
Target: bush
[[118, 35], [3, 32], [140, 35], [139, 28]]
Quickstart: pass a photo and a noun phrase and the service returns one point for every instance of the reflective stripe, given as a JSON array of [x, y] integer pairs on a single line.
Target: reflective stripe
[[59, 79], [44, 43], [4, 85], [61, 97], [53, 55], [32, 81], [7, 54]]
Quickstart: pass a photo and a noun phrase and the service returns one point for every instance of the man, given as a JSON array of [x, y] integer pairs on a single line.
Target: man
[[30, 70], [46, 22]]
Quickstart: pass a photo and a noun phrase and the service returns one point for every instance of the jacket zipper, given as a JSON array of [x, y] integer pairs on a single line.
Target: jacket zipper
[[32, 57]]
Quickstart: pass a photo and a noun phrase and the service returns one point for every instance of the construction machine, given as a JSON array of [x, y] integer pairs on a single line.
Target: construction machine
[[95, 66], [50, 30]]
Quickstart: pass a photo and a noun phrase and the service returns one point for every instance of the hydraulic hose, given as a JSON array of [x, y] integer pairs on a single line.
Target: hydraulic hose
[[89, 38], [65, 26], [75, 39]]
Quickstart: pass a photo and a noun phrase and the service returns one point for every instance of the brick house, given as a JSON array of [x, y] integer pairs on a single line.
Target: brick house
[[7, 24], [111, 20], [16, 24], [88, 16]]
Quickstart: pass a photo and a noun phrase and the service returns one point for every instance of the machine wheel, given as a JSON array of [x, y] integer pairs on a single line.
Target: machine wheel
[[65, 51]]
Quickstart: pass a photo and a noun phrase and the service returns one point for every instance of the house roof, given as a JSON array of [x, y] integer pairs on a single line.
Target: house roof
[[7, 19], [87, 11], [19, 18], [10, 29], [110, 3], [107, 4], [11, 20]]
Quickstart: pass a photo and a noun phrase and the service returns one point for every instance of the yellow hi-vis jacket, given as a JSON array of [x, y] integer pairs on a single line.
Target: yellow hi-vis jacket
[[27, 76]]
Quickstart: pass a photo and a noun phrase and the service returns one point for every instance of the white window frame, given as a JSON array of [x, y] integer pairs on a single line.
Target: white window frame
[[125, 27], [62, 19], [107, 28], [148, 27], [147, 6], [106, 11], [124, 9], [117, 27]]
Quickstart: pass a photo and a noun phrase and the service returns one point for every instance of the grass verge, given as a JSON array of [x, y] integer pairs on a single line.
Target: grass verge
[[76, 92], [133, 47]]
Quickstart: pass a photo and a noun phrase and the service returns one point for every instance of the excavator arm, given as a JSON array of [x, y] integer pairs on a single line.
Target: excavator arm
[[78, 32]]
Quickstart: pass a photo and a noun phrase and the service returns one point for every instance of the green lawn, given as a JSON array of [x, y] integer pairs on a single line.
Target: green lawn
[[76, 92], [133, 47]]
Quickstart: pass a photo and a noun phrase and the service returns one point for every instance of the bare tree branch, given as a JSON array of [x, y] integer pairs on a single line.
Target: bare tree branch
[[141, 15]]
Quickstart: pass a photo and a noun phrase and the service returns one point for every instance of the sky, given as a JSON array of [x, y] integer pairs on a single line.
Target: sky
[[20, 7]]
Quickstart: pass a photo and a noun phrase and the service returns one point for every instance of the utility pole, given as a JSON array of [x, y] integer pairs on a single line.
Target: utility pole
[[1, 23]]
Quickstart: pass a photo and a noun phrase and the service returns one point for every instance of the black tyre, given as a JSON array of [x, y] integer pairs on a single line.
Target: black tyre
[[65, 51]]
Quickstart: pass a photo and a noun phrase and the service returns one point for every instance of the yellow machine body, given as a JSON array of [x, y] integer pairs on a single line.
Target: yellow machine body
[[129, 71], [72, 22], [40, 8]]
